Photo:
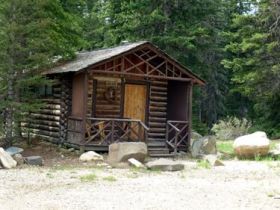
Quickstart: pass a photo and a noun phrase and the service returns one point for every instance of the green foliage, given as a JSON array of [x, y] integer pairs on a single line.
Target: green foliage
[[231, 128], [32, 35], [225, 147], [88, 178]]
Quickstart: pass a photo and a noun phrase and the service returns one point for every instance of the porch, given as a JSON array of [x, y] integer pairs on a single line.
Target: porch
[[98, 133]]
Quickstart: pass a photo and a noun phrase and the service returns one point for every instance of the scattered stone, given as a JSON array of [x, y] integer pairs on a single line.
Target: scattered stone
[[6, 159], [274, 153], [204, 146], [249, 146], [102, 164], [163, 164], [91, 156], [34, 160], [213, 160], [71, 149], [195, 136], [14, 150], [135, 163], [121, 152], [19, 159]]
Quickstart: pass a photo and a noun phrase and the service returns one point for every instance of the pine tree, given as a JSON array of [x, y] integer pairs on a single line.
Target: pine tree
[[32, 35]]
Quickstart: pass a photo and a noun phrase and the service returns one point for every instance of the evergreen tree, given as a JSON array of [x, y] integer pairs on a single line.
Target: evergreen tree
[[32, 35]]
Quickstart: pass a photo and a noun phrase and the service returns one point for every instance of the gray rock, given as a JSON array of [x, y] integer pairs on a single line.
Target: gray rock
[[121, 152], [204, 146], [19, 158], [14, 150], [213, 160], [34, 160], [135, 163], [163, 164], [195, 136], [6, 159]]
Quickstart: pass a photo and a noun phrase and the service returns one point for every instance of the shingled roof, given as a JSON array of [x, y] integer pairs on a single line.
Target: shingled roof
[[86, 59]]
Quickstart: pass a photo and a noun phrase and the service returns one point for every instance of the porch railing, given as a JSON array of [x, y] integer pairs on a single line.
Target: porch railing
[[104, 131], [177, 135]]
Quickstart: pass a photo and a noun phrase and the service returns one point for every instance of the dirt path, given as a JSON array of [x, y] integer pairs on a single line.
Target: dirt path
[[238, 185]]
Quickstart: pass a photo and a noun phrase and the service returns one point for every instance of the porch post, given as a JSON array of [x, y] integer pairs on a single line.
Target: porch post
[[189, 113], [85, 97]]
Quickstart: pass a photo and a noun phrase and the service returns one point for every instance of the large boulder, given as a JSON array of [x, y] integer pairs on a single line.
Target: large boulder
[[195, 136], [6, 159], [91, 156], [121, 152], [163, 164], [204, 146], [249, 146]]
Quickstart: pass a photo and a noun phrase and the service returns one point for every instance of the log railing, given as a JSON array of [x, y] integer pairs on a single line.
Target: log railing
[[104, 131], [177, 135]]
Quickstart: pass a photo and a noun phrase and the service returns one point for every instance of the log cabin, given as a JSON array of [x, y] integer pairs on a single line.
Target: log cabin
[[133, 92]]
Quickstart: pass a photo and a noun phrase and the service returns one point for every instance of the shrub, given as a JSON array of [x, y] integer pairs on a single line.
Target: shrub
[[231, 128]]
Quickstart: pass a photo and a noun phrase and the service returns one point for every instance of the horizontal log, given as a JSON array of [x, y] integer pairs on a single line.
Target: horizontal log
[[160, 82], [158, 88], [48, 138], [40, 127], [158, 108], [50, 112], [157, 119], [157, 130], [158, 98], [52, 106], [44, 116], [157, 114], [51, 100], [45, 133], [45, 122], [157, 124], [155, 103]]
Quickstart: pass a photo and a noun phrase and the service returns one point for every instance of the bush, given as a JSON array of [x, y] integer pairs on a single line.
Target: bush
[[231, 128]]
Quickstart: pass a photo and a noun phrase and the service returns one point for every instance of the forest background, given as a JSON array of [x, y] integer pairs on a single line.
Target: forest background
[[233, 44]]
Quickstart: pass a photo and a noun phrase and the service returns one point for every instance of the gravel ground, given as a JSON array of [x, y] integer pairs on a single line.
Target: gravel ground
[[238, 185]]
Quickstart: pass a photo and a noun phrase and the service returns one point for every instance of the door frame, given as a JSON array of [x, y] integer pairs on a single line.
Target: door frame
[[136, 82]]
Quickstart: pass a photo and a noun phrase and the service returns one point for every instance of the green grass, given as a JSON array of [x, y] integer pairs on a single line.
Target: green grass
[[88, 178], [203, 164], [225, 146], [110, 179]]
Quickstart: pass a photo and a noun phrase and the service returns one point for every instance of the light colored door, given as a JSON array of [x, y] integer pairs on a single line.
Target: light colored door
[[135, 99]]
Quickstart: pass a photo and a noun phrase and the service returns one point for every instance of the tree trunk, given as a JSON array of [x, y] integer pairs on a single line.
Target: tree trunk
[[9, 113]]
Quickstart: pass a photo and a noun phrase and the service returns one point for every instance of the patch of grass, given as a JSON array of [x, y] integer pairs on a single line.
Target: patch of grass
[[50, 175], [110, 179], [88, 178], [203, 164], [225, 146]]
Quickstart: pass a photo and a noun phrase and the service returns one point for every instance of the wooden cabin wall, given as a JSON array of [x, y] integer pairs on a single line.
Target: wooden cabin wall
[[157, 111], [50, 123], [97, 87]]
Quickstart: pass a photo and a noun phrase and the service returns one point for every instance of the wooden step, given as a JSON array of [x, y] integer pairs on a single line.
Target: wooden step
[[160, 143], [158, 151], [161, 155], [156, 134]]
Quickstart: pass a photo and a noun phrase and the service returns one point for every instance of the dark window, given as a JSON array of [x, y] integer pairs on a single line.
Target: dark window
[[45, 90]]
